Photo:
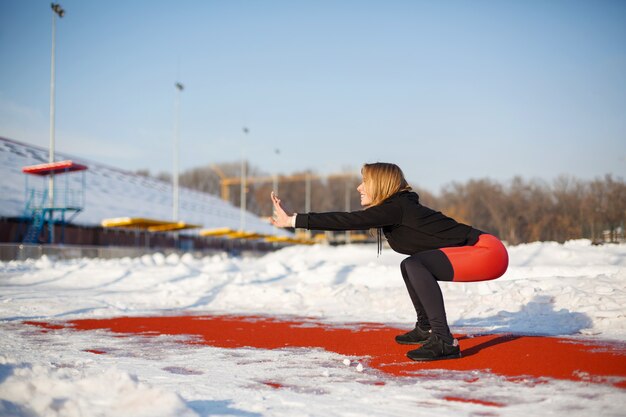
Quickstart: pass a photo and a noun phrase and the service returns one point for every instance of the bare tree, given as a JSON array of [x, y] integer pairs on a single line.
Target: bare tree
[[517, 211]]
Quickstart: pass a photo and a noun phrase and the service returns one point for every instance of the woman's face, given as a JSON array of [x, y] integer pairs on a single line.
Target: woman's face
[[366, 199]]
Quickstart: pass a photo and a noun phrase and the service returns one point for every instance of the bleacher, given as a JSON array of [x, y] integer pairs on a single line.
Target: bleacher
[[112, 193]]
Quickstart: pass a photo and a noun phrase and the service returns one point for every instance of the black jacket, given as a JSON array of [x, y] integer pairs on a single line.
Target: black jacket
[[408, 226]]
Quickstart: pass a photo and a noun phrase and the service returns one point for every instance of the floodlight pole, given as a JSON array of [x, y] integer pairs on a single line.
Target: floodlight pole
[[275, 182], [348, 208], [307, 192], [307, 197], [242, 205], [56, 10], [275, 178], [175, 203]]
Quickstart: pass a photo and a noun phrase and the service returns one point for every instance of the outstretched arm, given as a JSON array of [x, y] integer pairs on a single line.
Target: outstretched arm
[[388, 213], [385, 214], [281, 217]]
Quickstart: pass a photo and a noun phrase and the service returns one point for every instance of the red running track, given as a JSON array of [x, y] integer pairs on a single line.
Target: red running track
[[512, 356]]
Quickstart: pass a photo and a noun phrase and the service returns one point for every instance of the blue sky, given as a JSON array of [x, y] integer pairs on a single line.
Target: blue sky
[[449, 90]]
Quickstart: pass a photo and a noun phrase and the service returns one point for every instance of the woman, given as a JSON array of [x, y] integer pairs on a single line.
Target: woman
[[439, 249]]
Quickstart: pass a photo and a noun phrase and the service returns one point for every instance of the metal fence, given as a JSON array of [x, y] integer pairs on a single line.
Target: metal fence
[[22, 252]]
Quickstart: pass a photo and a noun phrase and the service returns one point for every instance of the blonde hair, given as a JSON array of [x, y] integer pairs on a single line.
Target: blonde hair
[[382, 180]]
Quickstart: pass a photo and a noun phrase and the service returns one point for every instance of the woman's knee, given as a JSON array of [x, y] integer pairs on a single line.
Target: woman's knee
[[410, 263]]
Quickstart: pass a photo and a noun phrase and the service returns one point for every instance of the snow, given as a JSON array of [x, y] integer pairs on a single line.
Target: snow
[[112, 193], [572, 289]]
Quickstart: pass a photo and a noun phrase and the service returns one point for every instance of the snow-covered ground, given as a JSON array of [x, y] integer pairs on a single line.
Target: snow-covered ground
[[574, 289]]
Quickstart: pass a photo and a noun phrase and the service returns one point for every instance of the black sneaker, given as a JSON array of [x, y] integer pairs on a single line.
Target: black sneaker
[[414, 337], [435, 349]]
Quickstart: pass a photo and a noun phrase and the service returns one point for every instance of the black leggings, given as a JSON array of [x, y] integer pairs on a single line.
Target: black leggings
[[421, 273]]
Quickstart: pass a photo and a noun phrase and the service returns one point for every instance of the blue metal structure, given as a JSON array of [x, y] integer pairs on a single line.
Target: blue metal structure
[[67, 201]]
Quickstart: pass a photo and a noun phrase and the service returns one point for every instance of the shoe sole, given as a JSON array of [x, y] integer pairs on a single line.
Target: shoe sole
[[411, 343], [455, 356]]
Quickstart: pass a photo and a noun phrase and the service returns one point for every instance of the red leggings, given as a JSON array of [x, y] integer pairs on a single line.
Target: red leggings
[[487, 259]]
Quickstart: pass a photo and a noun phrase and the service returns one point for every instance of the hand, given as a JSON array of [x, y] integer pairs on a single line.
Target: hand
[[281, 217]]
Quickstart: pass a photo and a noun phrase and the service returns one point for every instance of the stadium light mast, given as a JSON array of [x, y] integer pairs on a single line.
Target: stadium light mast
[[175, 188], [242, 205], [57, 10], [275, 180], [347, 201]]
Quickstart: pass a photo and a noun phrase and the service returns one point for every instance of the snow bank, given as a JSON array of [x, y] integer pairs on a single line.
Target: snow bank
[[34, 389], [574, 289], [551, 289]]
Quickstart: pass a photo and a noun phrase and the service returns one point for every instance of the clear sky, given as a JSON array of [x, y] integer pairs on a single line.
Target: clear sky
[[449, 90]]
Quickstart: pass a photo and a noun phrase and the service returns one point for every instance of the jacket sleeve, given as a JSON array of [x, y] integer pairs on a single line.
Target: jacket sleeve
[[385, 214]]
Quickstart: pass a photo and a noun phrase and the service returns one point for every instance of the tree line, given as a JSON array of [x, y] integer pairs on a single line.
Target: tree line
[[533, 210], [517, 211]]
